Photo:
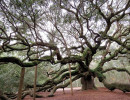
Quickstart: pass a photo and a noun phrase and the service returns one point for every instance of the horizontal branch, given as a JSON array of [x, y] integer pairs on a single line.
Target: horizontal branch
[[117, 69], [117, 41], [17, 61]]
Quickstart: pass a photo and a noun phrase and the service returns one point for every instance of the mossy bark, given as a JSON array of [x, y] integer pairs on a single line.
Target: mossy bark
[[87, 82]]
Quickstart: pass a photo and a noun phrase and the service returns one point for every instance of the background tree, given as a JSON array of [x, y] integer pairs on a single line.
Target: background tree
[[66, 31]]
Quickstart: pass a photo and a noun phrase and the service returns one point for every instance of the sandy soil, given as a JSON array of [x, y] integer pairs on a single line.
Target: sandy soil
[[99, 94]]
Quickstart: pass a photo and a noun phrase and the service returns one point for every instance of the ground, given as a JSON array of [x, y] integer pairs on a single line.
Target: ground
[[99, 94]]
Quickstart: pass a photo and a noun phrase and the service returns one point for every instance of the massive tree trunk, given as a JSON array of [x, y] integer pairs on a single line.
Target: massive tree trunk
[[87, 82]]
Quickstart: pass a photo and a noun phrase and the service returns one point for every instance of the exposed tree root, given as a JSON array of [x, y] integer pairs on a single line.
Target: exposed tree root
[[31, 94], [14, 96], [4, 97], [11, 95]]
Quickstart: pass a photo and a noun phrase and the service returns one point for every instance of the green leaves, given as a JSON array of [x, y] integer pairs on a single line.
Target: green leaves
[[9, 77]]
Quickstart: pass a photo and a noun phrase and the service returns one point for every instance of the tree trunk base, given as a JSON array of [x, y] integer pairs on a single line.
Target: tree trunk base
[[88, 82]]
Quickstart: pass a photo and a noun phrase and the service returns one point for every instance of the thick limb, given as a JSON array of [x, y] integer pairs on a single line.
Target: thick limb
[[63, 86], [112, 86]]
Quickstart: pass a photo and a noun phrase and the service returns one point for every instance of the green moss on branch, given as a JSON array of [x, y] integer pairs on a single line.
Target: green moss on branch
[[117, 69], [63, 86]]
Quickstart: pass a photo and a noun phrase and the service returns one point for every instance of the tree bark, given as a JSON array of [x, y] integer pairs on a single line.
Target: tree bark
[[87, 82], [21, 84]]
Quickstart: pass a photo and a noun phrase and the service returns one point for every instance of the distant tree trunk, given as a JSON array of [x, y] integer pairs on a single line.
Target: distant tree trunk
[[21, 84], [87, 82]]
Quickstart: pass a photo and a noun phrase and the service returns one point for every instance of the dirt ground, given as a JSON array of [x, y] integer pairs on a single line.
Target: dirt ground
[[99, 94]]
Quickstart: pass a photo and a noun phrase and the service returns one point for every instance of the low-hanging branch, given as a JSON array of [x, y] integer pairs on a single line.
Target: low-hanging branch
[[64, 74], [63, 86], [53, 84], [120, 86]]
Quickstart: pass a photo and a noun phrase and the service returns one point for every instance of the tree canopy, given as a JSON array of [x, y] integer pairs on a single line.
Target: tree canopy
[[76, 32]]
